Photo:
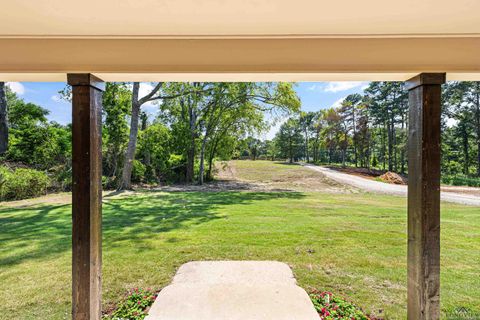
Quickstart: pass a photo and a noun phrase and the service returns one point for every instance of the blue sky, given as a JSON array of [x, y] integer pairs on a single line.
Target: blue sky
[[314, 96]]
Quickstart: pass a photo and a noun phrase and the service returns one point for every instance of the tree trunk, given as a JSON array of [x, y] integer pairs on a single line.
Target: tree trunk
[[126, 183], [384, 147], [354, 136], [466, 161], [477, 112], [402, 153], [191, 150], [210, 164], [202, 160], [390, 147], [394, 135], [306, 146], [210, 160], [3, 120]]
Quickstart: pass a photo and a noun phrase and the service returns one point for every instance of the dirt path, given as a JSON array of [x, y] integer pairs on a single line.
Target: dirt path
[[381, 187]]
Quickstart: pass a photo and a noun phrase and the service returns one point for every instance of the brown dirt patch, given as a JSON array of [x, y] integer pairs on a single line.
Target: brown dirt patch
[[392, 177]]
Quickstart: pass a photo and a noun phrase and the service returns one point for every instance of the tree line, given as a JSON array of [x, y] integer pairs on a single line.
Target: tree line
[[370, 130], [192, 125]]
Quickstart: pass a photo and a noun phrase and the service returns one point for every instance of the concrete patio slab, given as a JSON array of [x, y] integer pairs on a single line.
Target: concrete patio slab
[[234, 290], [264, 272]]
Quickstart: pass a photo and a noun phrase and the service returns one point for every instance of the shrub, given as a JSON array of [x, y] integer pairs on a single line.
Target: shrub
[[331, 307], [461, 180], [61, 176], [22, 183], [138, 172], [109, 183], [135, 305]]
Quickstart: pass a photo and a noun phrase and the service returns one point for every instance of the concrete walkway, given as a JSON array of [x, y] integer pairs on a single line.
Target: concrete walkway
[[387, 188], [233, 290]]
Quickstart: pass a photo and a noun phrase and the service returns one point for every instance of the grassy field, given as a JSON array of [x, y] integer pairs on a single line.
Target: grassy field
[[353, 244]]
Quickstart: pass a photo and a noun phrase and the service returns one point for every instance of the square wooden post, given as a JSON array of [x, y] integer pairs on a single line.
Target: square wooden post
[[86, 196], [424, 196]]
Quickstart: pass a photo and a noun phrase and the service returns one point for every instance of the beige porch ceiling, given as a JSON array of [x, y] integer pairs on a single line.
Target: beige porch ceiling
[[210, 18], [231, 40]]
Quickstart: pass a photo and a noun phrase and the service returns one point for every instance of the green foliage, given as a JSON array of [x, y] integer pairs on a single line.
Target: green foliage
[[138, 172], [33, 140], [116, 108], [331, 307], [135, 305], [61, 177], [22, 183], [289, 140], [217, 113], [203, 122], [154, 152], [461, 180]]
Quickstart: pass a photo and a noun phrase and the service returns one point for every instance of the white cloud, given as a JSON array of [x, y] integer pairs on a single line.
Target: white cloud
[[338, 103], [56, 98], [313, 87], [343, 86], [16, 87]]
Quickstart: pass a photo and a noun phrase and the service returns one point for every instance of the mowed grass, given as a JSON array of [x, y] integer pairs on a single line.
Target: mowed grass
[[351, 244], [268, 171]]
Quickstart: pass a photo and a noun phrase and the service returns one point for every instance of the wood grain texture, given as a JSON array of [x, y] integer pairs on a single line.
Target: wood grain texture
[[86, 200], [424, 200]]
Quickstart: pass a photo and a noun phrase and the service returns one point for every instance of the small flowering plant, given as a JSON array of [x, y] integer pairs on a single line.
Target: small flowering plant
[[135, 306], [331, 307]]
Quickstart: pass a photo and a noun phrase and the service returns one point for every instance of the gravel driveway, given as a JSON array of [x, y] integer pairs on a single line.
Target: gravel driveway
[[394, 189]]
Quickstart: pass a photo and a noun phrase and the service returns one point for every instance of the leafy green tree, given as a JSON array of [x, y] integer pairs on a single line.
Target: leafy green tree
[[289, 140], [332, 132], [271, 149], [305, 121], [33, 140], [116, 109], [154, 152], [254, 146], [463, 105], [388, 107], [348, 112], [212, 109]]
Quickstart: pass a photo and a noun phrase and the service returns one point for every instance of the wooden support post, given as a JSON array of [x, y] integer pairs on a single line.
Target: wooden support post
[[86, 196], [424, 196]]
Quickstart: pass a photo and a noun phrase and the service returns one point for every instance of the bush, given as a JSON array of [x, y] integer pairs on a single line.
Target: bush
[[135, 306], [61, 176], [331, 307], [461, 180], [109, 183], [22, 183], [138, 172]]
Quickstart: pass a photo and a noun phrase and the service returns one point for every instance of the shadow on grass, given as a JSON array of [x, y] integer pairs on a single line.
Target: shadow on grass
[[286, 163], [43, 231]]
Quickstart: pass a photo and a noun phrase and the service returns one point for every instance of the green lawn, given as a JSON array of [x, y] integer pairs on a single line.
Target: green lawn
[[351, 244]]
